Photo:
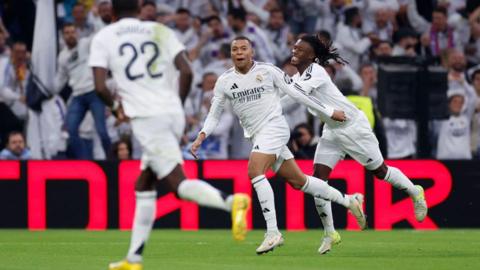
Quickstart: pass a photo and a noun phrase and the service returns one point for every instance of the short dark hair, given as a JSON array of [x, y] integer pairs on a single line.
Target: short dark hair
[[213, 18], [183, 10], [441, 9], [13, 133], [149, 3], [350, 14], [243, 38], [67, 24], [238, 13], [124, 6]]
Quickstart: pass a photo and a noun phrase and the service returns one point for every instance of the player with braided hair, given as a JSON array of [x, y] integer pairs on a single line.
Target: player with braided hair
[[353, 137]]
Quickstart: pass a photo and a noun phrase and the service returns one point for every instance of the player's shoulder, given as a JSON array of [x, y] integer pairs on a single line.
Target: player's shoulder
[[316, 69], [227, 74], [267, 66]]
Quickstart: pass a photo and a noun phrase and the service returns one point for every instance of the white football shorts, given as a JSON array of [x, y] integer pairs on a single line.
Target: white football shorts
[[272, 139], [356, 139], [159, 137]]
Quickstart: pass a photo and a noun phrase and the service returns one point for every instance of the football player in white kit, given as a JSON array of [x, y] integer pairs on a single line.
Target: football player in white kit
[[353, 136], [144, 58], [253, 89]]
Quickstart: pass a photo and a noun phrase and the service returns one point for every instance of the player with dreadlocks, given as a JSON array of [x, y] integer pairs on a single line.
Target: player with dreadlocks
[[353, 137]]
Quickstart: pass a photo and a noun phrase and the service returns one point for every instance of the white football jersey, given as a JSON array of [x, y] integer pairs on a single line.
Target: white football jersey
[[141, 57], [316, 83], [255, 97], [454, 138]]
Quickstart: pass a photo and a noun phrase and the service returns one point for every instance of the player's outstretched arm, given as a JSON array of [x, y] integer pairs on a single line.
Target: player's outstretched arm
[[186, 75], [300, 93], [213, 117]]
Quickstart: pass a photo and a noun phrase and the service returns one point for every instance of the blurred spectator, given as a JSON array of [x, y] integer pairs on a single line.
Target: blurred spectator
[[3, 29], [406, 43], [13, 79], [148, 12], [184, 30], [223, 62], [454, 134], [472, 48], [73, 68], [82, 26], [122, 150], [303, 15], [353, 45], [101, 15], [278, 32], [332, 13], [382, 49], [15, 148], [196, 110], [438, 36], [475, 78], [383, 26], [368, 73], [237, 19], [4, 49], [304, 142], [211, 40]]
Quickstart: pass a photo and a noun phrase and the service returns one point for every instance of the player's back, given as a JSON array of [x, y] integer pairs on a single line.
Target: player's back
[[141, 57]]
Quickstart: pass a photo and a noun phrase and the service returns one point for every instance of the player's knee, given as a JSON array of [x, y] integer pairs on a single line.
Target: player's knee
[[253, 172]]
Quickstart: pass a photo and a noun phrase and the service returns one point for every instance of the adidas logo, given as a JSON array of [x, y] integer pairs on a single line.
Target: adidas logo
[[256, 147], [234, 86]]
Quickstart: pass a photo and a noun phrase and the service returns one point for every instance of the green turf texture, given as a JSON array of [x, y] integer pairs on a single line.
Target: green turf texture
[[214, 249]]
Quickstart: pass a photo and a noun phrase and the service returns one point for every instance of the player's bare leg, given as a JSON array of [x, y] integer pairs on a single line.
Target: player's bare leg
[[206, 195], [324, 210], [258, 164], [400, 181], [320, 189]]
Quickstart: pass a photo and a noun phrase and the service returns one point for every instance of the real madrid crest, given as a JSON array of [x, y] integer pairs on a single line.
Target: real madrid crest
[[259, 78]]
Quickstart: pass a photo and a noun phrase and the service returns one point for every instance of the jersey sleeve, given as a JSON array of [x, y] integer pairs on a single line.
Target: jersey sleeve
[[174, 46], [300, 91], [218, 102], [98, 52]]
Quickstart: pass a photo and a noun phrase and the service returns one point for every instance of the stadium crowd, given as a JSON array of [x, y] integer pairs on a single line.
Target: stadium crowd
[[362, 30]]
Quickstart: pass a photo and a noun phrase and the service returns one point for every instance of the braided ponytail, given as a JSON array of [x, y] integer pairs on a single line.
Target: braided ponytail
[[324, 51]]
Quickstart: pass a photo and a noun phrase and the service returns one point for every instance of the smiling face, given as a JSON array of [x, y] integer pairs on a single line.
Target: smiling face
[[302, 53], [242, 54]]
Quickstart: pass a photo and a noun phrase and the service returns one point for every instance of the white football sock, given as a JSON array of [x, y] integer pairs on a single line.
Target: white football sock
[[267, 201], [142, 223], [400, 181], [319, 188], [324, 210], [204, 194]]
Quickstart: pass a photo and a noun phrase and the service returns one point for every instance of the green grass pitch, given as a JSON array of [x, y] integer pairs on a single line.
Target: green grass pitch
[[214, 249]]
